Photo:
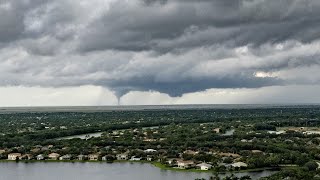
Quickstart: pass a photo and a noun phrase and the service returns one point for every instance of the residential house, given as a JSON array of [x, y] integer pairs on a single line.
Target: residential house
[[82, 157], [204, 166], [185, 164], [133, 158], [217, 130], [40, 157], [257, 152], [150, 151], [104, 158], [318, 163], [26, 157], [54, 156], [149, 158], [13, 156], [173, 161], [65, 157], [93, 157], [230, 155], [239, 165], [123, 156], [190, 152], [107, 157], [2, 151], [35, 150]]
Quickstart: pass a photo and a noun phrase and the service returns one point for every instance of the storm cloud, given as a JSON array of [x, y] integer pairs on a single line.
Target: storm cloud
[[169, 46]]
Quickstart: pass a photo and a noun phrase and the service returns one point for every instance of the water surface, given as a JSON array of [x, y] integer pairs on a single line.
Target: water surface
[[99, 171]]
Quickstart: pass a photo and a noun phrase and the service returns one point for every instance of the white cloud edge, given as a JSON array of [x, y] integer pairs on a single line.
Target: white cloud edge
[[15, 96]]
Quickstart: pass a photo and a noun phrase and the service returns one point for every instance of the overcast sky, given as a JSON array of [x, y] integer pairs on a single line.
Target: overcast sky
[[109, 52]]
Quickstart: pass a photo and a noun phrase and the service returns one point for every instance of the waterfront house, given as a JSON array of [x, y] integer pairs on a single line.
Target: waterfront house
[[185, 164], [104, 158], [123, 156], [54, 156], [133, 158], [40, 157], [13, 156], [82, 157], [93, 157], [2, 151], [173, 161], [149, 158], [239, 165], [26, 157], [204, 166], [108, 157], [65, 157]]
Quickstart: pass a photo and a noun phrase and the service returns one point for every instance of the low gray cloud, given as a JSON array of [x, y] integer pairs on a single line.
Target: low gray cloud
[[170, 46]]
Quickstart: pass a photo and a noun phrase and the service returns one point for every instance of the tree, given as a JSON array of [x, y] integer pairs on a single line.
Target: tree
[[311, 165]]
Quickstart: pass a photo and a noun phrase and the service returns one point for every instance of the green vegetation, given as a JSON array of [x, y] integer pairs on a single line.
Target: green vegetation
[[214, 140]]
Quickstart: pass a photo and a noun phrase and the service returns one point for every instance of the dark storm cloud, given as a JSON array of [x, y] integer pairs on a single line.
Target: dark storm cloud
[[250, 21], [171, 46]]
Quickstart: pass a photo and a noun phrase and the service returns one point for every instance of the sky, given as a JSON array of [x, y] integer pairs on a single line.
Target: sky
[[140, 52]]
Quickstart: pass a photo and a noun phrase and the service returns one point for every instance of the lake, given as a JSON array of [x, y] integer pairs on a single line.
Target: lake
[[99, 171], [82, 136]]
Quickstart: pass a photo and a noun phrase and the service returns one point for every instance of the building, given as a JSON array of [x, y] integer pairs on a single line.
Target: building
[[13, 156], [216, 130], [230, 155], [173, 161], [40, 157], [149, 158], [82, 157], [150, 151], [65, 157], [26, 157], [2, 151], [93, 157], [104, 158], [133, 158], [185, 164], [123, 156], [190, 152], [54, 156], [257, 152], [204, 166], [239, 165], [107, 157]]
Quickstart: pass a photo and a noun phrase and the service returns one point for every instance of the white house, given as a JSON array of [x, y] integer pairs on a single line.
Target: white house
[[13, 156], [204, 166], [40, 157], [150, 150], [133, 158], [239, 164], [65, 157]]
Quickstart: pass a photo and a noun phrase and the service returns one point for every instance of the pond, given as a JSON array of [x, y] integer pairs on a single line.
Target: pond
[[100, 171], [82, 136]]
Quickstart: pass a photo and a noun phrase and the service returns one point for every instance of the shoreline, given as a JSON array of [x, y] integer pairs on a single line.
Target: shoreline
[[155, 164]]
